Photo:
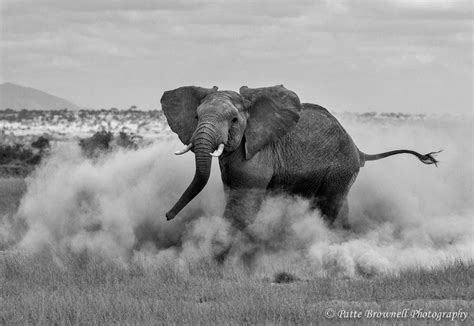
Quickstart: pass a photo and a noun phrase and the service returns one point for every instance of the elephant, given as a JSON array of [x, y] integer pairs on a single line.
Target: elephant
[[267, 141]]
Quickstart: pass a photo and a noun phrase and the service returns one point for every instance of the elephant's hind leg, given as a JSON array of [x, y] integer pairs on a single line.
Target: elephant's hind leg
[[333, 199], [342, 219], [330, 206]]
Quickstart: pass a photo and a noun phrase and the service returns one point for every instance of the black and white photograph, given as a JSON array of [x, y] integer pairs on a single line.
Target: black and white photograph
[[236, 162]]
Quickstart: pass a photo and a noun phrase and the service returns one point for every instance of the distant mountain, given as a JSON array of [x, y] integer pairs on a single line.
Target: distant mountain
[[18, 97]]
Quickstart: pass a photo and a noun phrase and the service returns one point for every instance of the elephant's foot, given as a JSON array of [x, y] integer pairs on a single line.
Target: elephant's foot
[[221, 247], [249, 258], [339, 225], [221, 255], [243, 244], [342, 219], [249, 247]]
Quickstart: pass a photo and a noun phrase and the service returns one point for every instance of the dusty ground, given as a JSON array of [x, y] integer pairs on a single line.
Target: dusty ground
[[60, 287]]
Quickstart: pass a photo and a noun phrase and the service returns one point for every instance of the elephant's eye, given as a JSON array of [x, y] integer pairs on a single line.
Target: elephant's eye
[[196, 117], [234, 120]]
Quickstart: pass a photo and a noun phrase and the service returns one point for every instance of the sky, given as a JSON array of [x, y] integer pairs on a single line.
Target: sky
[[411, 56]]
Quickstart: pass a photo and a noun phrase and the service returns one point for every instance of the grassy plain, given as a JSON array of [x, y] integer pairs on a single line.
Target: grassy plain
[[65, 288]]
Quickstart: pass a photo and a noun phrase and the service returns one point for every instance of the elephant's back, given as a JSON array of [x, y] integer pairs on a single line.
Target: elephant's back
[[317, 124], [315, 107], [316, 115], [319, 133]]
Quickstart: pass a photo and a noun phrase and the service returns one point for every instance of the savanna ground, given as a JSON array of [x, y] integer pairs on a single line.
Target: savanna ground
[[68, 235], [51, 287]]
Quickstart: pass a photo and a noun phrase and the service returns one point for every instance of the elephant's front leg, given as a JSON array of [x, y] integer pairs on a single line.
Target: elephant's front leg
[[245, 184], [241, 210], [242, 206]]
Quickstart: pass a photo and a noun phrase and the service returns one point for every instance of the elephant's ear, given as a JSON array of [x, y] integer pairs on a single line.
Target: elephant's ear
[[179, 106], [273, 112]]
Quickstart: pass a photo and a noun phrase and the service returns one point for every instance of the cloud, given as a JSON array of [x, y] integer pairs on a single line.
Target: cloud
[[416, 9], [168, 43], [104, 5], [65, 62], [429, 4]]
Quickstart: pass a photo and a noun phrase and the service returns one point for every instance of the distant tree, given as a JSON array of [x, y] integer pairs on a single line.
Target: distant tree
[[14, 153], [133, 107], [82, 114], [98, 143], [23, 114], [126, 140], [41, 143]]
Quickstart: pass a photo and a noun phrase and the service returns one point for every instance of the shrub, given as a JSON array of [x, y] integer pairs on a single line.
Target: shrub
[[95, 145], [104, 141]]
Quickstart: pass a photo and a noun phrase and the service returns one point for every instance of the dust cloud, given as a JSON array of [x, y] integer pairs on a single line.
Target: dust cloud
[[403, 214]]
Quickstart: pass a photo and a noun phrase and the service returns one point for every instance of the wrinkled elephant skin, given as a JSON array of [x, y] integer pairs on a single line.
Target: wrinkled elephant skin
[[266, 141]]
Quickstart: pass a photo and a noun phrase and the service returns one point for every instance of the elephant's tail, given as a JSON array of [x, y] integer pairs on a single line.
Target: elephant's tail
[[427, 158]]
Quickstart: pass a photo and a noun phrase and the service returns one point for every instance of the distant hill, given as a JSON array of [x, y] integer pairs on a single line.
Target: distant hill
[[18, 97]]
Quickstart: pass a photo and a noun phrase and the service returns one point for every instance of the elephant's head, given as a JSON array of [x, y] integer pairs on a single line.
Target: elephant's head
[[211, 122]]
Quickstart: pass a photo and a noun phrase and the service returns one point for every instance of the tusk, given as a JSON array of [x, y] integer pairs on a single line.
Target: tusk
[[184, 150], [218, 151]]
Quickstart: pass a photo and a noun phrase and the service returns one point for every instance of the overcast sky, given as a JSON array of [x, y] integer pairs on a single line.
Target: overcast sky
[[381, 55]]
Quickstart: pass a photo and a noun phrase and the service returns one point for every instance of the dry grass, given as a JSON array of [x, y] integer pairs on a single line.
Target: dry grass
[[67, 288]]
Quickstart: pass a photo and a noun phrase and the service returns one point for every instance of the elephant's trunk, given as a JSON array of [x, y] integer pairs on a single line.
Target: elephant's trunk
[[204, 144]]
